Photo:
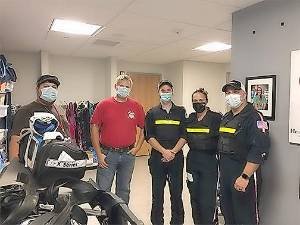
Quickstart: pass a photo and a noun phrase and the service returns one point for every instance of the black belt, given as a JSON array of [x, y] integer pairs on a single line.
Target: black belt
[[121, 149]]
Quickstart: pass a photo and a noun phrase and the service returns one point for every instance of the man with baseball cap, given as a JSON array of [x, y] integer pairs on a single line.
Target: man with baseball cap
[[235, 85], [165, 82], [164, 131], [243, 146], [47, 91]]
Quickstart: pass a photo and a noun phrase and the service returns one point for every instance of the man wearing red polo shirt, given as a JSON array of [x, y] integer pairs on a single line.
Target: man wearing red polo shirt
[[113, 134]]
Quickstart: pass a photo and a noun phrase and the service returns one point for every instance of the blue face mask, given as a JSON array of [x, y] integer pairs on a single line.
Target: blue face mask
[[166, 97], [49, 94], [122, 92]]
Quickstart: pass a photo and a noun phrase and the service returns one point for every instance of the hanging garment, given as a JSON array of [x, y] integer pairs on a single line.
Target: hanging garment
[[7, 73], [79, 116], [71, 117]]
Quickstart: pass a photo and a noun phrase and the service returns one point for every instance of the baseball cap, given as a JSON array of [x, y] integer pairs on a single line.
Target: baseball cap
[[237, 85], [48, 78], [165, 82]]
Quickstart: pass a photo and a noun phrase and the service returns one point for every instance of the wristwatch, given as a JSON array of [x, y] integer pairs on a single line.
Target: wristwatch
[[245, 176]]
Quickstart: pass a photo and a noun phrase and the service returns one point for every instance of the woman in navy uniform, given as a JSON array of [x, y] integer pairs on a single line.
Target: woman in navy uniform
[[243, 146], [202, 132]]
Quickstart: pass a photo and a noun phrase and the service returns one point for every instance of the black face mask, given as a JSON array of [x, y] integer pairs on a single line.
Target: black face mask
[[199, 107]]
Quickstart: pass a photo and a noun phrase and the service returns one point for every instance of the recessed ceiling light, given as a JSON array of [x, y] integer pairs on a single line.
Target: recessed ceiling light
[[213, 47], [74, 27]]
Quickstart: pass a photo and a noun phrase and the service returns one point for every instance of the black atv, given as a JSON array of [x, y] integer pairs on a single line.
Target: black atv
[[52, 192]]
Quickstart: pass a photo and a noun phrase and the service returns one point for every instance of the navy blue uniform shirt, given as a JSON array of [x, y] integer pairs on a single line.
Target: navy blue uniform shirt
[[253, 132], [166, 128]]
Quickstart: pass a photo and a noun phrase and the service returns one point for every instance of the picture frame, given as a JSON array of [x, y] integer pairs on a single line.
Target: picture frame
[[261, 92], [294, 111]]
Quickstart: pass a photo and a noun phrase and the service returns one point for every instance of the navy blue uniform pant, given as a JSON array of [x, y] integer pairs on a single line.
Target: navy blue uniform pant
[[162, 172], [202, 177], [237, 207]]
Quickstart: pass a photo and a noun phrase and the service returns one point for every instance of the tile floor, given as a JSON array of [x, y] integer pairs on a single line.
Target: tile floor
[[140, 197]]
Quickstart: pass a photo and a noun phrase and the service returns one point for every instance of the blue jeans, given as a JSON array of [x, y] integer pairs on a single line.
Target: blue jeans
[[121, 164]]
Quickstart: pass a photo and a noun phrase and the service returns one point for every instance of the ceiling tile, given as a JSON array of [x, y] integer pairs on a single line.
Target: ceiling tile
[[152, 31], [25, 30], [99, 12], [122, 50], [197, 12], [237, 3], [226, 26], [31, 28], [212, 35], [62, 44], [142, 29], [217, 57], [178, 50]]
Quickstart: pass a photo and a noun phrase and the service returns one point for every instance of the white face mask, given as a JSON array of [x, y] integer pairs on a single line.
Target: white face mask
[[233, 100]]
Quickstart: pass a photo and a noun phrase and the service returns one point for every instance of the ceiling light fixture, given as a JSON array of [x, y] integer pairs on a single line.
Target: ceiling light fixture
[[75, 27], [213, 47]]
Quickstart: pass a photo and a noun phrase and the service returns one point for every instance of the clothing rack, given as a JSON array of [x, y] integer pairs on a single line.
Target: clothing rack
[[78, 115], [7, 79]]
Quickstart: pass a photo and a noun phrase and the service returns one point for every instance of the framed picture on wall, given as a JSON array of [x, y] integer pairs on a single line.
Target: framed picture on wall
[[261, 92]]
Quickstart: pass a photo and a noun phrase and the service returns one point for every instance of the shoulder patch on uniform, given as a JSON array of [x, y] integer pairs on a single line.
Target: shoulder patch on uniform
[[261, 124]]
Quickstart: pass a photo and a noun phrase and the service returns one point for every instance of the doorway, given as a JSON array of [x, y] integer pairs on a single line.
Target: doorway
[[144, 90]]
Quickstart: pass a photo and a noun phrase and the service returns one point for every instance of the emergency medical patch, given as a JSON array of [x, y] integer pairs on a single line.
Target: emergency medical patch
[[189, 177], [262, 125], [131, 115]]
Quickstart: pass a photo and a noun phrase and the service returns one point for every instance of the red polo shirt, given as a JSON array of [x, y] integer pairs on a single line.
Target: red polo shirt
[[118, 121]]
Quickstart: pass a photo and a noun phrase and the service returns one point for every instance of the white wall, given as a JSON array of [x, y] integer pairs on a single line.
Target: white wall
[[27, 67], [174, 73], [211, 77], [269, 52], [111, 70], [93, 79], [228, 67], [81, 78], [140, 67], [187, 76]]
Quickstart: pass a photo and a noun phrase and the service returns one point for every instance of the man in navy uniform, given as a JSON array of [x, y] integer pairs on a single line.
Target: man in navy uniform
[[243, 146], [164, 131]]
